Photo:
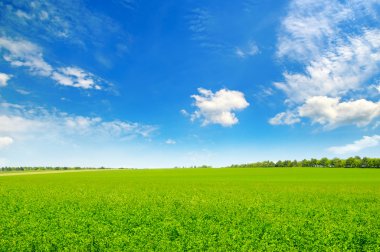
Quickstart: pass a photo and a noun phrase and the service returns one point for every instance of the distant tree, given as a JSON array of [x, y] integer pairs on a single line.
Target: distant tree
[[279, 163], [336, 162], [324, 162], [357, 162], [313, 162], [294, 163], [287, 163], [376, 162], [305, 163], [365, 162], [350, 162]]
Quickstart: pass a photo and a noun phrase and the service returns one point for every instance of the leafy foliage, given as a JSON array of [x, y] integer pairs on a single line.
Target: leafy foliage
[[352, 162]]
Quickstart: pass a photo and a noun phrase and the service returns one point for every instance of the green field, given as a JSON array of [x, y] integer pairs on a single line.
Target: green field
[[270, 209]]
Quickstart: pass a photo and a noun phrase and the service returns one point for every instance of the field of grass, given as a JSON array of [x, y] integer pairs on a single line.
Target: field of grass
[[307, 209]]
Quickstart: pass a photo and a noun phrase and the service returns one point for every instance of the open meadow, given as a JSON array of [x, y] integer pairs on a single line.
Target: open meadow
[[275, 209]]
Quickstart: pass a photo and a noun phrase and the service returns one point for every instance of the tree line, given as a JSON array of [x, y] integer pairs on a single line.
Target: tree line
[[351, 162], [43, 168]]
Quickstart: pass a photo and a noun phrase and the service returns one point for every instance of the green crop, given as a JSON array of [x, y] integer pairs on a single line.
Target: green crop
[[307, 209]]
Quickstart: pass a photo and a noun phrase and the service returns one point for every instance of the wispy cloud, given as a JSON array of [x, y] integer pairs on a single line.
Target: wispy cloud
[[22, 123], [22, 53], [76, 77], [285, 118], [250, 5], [309, 27], [250, 50], [220, 31], [218, 107], [170, 141], [201, 23], [356, 146], [129, 4], [338, 70], [62, 20], [22, 91]]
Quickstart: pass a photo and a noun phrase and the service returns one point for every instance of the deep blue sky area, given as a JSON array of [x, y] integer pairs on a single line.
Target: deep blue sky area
[[133, 83]]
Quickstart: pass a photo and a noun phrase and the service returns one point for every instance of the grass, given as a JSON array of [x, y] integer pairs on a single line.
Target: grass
[[307, 209]]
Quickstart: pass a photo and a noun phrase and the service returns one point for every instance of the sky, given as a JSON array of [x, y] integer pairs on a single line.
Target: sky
[[149, 84]]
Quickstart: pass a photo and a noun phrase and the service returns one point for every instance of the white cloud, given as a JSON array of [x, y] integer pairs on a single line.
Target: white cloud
[[96, 126], [282, 118], [309, 27], [312, 26], [184, 112], [23, 53], [57, 20], [337, 42], [22, 14], [250, 50], [20, 123], [125, 129], [332, 113], [43, 15], [202, 24], [80, 124], [376, 125], [376, 87], [4, 78], [20, 53], [5, 141], [217, 108], [75, 77], [22, 91], [239, 52], [340, 70], [170, 141], [365, 142]]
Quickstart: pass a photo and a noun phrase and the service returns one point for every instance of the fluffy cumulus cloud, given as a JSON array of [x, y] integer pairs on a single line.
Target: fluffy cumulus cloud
[[4, 78], [21, 53], [331, 112], [337, 46], [365, 142], [218, 107], [5, 141]]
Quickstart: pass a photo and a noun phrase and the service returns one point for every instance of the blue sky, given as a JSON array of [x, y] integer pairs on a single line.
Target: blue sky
[[132, 83]]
